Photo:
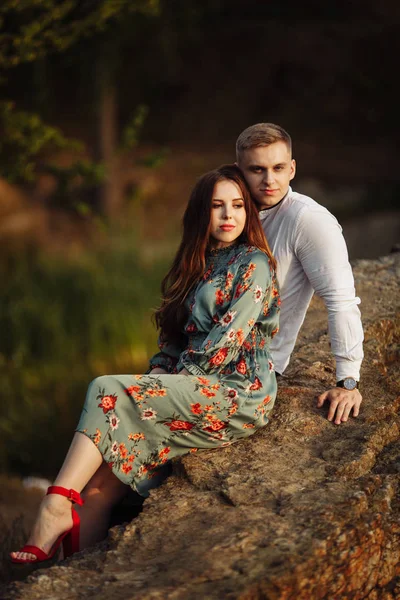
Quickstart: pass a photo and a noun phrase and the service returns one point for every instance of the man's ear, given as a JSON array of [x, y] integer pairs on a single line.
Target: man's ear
[[235, 163], [292, 169]]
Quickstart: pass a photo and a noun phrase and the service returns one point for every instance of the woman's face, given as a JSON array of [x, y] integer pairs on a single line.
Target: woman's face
[[228, 214]]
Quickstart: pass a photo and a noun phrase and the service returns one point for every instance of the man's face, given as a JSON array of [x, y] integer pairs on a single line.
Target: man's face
[[268, 171]]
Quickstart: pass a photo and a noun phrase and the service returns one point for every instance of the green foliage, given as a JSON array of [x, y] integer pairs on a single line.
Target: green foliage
[[64, 322], [75, 185], [131, 132], [31, 29], [23, 139]]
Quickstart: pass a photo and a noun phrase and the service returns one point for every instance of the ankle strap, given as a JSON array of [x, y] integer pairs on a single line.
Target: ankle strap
[[70, 494]]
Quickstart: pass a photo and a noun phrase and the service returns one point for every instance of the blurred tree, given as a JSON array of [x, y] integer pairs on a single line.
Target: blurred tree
[[32, 29]]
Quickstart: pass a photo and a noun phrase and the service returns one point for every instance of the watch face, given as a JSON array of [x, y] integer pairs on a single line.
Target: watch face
[[349, 383]]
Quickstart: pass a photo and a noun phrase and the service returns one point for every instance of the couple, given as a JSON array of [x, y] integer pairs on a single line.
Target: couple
[[214, 380]]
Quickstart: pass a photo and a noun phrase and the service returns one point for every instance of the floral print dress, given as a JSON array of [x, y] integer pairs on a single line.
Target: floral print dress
[[140, 422]]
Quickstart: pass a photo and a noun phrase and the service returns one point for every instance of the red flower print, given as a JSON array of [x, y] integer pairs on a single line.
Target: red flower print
[[274, 332], [126, 468], [136, 436], [219, 357], [97, 437], [233, 409], [133, 389], [162, 453], [248, 425], [178, 425], [196, 409], [249, 270], [151, 392], [240, 336], [203, 380], [270, 365], [241, 366], [228, 281], [191, 328], [219, 297], [216, 425], [275, 292], [108, 403], [193, 450], [123, 452], [207, 393], [256, 385], [207, 273], [246, 345], [266, 399]]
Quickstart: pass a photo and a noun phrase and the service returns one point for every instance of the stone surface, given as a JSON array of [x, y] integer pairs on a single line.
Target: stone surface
[[303, 510]]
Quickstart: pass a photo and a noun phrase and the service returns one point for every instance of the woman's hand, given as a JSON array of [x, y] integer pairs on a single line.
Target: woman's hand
[[158, 371], [342, 403]]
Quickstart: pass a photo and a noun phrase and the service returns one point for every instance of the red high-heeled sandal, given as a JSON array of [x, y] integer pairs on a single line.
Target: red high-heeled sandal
[[70, 538]]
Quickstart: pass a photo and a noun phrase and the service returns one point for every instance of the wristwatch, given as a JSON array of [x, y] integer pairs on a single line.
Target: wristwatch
[[348, 383]]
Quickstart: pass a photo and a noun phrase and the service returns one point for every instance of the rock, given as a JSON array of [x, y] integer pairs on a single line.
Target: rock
[[302, 510]]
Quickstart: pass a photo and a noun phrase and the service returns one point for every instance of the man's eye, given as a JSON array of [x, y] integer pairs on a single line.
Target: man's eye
[[256, 169]]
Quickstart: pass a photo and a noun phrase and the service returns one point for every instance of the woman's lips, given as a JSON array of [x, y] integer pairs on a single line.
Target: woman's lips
[[268, 192], [227, 227]]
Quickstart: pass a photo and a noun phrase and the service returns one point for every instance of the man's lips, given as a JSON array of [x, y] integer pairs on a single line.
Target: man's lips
[[227, 227]]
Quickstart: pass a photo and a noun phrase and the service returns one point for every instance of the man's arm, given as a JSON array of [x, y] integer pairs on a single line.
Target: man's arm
[[322, 251]]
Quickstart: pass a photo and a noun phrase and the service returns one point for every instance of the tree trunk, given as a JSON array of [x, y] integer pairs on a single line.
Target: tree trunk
[[111, 197]]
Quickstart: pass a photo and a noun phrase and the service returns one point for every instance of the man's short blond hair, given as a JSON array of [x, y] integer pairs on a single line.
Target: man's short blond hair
[[262, 134]]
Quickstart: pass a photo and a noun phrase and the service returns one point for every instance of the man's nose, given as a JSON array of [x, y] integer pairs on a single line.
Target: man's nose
[[268, 176]]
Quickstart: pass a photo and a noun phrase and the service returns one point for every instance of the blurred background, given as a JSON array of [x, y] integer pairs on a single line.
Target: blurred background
[[109, 111]]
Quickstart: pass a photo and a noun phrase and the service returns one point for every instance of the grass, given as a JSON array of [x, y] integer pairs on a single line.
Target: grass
[[64, 321]]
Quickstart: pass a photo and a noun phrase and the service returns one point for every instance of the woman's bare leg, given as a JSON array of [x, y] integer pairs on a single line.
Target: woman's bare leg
[[101, 494], [81, 463]]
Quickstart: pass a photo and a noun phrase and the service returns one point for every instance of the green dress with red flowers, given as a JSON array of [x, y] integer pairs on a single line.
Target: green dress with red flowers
[[140, 422]]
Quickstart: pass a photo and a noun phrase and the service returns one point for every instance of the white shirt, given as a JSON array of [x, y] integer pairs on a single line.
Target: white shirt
[[311, 254]]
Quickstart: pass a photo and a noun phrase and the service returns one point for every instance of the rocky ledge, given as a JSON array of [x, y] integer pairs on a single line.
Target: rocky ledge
[[304, 509]]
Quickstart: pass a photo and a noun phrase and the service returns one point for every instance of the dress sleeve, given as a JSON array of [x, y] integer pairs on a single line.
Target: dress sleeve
[[251, 286], [322, 251], [168, 356]]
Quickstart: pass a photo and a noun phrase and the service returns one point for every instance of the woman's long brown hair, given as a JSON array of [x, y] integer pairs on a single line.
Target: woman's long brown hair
[[189, 263]]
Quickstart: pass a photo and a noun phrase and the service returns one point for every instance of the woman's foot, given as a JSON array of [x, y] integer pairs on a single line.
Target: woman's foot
[[54, 518]]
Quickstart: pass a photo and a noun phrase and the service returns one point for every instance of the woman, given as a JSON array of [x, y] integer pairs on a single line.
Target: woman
[[211, 384]]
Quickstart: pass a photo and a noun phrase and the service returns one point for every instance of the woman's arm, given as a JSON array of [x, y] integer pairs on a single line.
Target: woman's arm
[[251, 289], [165, 361]]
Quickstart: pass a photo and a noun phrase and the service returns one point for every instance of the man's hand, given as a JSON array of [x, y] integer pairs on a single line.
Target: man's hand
[[342, 403]]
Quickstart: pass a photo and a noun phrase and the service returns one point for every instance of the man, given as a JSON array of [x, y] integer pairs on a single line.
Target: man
[[311, 253]]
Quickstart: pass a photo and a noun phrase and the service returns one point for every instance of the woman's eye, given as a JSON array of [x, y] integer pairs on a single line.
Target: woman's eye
[[238, 205], [216, 205]]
